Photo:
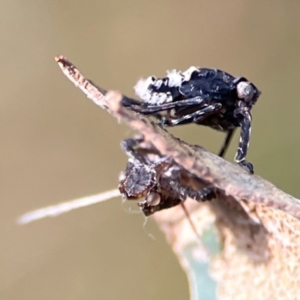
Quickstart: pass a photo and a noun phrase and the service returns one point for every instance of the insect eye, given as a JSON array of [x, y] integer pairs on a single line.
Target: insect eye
[[153, 199], [245, 91]]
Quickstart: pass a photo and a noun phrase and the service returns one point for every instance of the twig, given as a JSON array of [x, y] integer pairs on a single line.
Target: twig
[[225, 176]]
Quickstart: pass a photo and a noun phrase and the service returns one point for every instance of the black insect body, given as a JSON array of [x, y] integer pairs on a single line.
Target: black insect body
[[158, 179], [203, 96]]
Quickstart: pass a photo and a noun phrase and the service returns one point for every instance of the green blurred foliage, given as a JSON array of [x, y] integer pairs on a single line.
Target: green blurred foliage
[[56, 145]]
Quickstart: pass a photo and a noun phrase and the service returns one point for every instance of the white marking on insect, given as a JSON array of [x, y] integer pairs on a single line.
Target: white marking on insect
[[245, 91], [188, 73], [158, 83], [142, 88], [175, 78], [161, 98], [169, 97]]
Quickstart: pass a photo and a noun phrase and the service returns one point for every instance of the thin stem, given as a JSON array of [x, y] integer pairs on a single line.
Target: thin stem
[[64, 207]]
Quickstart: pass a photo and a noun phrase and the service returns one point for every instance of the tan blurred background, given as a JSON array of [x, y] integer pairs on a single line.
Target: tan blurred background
[[56, 145]]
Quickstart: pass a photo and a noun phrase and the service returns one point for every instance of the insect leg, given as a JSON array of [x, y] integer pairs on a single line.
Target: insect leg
[[130, 146], [128, 102], [150, 109], [205, 194], [196, 116], [245, 123], [226, 142]]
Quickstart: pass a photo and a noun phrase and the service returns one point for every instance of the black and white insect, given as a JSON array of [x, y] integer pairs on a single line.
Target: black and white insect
[[158, 179], [208, 97]]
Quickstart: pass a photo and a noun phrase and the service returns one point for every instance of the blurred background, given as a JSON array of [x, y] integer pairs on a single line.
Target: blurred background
[[56, 145]]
